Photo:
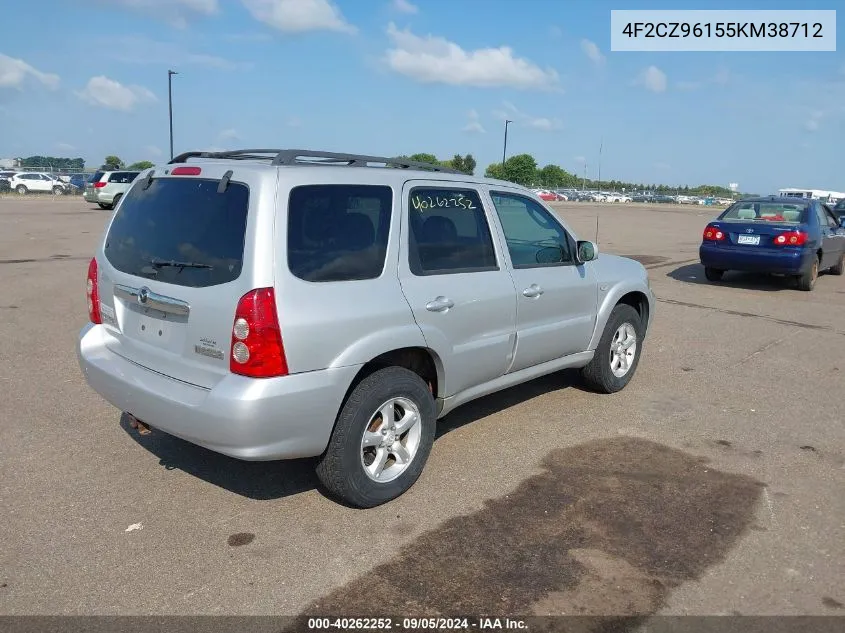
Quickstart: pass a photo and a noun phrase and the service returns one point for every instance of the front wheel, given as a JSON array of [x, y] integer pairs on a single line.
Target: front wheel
[[807, 280], [381, 440], [58, 191], [618, 353]]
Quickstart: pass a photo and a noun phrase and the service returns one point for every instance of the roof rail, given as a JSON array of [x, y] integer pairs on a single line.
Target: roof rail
[[314, 157]]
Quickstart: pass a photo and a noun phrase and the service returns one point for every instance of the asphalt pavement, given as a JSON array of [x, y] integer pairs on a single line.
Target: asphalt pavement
[[713, 484]]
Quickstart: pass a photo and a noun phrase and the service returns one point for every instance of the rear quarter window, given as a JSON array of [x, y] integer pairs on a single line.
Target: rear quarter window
[[183, 221], [124, 177], [338, 232]]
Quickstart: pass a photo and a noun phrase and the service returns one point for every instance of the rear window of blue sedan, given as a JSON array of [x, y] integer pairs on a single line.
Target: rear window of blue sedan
[[767, 212]]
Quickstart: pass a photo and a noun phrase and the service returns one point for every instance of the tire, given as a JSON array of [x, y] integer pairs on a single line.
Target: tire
[[58, 191], [839, 268], [104, 206], [22, 190], [116, 200], [713, 274], [342, 467], [599, 374], [807, 279]]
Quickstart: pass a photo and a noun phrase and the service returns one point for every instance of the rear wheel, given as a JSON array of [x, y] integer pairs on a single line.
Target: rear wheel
[[104, 206], [807, 280], [839, 268], [382, 439], [22, 190], [116, 200], [713, 274], [618, 352]]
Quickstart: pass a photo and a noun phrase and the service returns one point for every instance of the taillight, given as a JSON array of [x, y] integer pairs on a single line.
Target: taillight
[[92, 292], [257, 350], [714, 234], [100, 185], [186, 171], [791, 238]]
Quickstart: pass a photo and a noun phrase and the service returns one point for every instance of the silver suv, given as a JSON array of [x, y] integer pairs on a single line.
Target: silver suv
[[106, 188], [277, 304]]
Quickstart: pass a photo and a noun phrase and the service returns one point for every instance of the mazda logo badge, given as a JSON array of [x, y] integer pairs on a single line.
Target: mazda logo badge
[[143, 295]]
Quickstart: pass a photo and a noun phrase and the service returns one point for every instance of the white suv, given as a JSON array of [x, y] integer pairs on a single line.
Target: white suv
[[36, 182]]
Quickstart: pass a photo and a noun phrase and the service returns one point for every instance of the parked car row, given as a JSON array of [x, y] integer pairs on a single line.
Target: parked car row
[[27, 182]]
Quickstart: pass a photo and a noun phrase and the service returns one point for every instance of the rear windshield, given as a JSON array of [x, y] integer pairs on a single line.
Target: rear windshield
[[767, 212], [338, 232], [180, 231], [97, 175], [123, 176]]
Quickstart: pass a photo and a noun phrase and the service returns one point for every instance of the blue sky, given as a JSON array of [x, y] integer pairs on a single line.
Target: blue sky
[[89, 78]]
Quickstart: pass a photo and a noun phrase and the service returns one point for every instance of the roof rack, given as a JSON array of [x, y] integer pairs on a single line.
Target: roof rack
[[314, 157]]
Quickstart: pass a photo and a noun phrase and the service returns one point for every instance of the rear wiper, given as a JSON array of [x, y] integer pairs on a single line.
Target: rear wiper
[[162, 263]]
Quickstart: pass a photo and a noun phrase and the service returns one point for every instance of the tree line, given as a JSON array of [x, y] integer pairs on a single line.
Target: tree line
[[523, 169]]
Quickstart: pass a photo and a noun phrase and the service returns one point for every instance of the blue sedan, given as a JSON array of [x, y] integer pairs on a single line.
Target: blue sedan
[[783, 236]]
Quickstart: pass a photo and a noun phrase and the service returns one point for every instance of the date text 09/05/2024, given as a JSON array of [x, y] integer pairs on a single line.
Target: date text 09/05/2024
[[416, 624], [724, 29]]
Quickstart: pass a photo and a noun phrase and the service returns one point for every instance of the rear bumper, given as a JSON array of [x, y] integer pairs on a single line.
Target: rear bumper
[[788, 261], [245, 418], [90, 196]]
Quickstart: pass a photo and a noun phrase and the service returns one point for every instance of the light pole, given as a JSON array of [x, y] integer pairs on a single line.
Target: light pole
[[505, 148], [601, 145], [170, 74]]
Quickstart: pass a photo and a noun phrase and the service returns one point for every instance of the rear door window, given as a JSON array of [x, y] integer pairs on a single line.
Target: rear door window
[[338, 232], [180, 231], [448, 232]]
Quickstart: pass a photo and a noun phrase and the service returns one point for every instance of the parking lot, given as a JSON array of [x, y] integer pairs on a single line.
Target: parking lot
[[711, 485]]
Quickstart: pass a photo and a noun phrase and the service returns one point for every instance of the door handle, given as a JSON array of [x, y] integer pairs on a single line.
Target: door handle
[[532, 291], [439, 304]]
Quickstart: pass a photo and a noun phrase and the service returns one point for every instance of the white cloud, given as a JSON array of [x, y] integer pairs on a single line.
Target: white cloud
[[722, 78], [144, 50], [555, 31], [474, 126], [404, 6], [108, 93], [511, 112], [654, 79], [592, 51], [299, 16], [177, 13], [229, 135], [14, 73], [152, 150], [65, 147], [434, 59], [813, 122]]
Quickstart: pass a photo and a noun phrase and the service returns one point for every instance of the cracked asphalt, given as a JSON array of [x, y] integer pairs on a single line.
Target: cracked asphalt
[[713, 484]]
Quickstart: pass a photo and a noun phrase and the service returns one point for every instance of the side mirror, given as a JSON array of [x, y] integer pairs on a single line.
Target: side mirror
[[587, 251]]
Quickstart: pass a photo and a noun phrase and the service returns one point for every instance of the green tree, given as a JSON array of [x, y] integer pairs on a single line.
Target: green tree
[[141, 165], [52, 162], [552, 176], [495, 170], [464, 164], [425, 158], [521, 169], [113, 162]]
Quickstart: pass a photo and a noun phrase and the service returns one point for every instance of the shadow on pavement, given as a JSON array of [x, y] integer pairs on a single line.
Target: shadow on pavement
[[694, 274]]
